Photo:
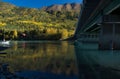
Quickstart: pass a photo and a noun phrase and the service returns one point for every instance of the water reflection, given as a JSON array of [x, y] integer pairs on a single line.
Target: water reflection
[[42, 56], [96, 64]]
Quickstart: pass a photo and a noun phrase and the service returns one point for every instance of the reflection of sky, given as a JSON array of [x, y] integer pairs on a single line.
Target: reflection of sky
[[39, 3]]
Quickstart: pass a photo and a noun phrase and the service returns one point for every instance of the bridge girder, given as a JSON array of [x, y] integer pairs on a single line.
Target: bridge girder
[[93, 16]]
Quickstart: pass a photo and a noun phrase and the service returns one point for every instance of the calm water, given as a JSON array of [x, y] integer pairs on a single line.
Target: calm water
[[61, 60], [48, 59], [97, 64]]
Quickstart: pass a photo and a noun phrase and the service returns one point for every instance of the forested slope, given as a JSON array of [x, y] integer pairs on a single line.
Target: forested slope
[[48, 23]]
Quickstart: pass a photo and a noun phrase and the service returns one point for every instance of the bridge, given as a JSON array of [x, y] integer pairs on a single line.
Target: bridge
[[100, 19]]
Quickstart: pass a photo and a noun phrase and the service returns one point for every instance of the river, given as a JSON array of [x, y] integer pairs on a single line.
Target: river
[[41, 59], [60, 60], [97, 64]]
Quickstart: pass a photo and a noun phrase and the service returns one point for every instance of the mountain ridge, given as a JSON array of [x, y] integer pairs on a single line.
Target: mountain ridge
[[65, 7], [55, 7]]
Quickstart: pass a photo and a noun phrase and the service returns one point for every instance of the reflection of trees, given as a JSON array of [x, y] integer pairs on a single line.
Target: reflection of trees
[[57, 58]]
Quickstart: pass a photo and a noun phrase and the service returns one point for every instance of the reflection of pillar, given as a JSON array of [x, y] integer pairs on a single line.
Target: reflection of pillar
[[94, 64], [87, 67], [113, 36], [109, 36]]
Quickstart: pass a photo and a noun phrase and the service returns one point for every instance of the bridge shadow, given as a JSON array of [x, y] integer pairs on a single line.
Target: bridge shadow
[[97, 64]]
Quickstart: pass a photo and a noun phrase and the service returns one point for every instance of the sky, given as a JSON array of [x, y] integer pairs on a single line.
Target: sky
[[39, 3]]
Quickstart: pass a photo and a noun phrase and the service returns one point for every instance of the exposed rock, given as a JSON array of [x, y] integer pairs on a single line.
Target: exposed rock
[[65, 7]]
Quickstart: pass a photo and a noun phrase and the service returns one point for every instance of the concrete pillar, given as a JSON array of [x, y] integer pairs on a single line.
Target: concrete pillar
[[105, 39], [116, 38], [110, 33]]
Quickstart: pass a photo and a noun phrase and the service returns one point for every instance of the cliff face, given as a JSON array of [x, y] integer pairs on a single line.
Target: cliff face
[[65, 7]]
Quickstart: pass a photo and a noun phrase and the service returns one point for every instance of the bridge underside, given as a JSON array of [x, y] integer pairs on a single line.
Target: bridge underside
[[103, 19]]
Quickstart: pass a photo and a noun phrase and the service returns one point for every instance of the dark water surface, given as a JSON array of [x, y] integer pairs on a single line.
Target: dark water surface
[[41, 59], [97, 64]]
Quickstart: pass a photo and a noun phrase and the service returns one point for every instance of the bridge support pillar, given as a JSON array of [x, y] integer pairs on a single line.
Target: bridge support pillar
[[110, 34]]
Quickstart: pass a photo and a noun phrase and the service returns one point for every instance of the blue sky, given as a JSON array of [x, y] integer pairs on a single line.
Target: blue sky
[[39, 3]]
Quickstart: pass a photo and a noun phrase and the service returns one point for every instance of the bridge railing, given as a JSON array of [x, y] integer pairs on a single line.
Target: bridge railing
[[88, 38]]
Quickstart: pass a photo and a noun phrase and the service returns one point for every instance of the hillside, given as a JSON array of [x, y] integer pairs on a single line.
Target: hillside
[[65, 7], [6, 6], [49, 23]]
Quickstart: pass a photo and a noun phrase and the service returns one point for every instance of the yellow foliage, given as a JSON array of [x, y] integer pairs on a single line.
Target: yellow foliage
[[32, 22], [51, 31], [15, 34], [71, 33], [64, 33], [2, 24], [50, 25]]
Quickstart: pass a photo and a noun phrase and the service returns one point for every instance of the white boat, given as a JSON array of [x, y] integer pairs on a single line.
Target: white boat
[[5, 42]]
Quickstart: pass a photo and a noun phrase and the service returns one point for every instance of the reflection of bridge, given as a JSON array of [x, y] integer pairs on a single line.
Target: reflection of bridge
[[101, 17]]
